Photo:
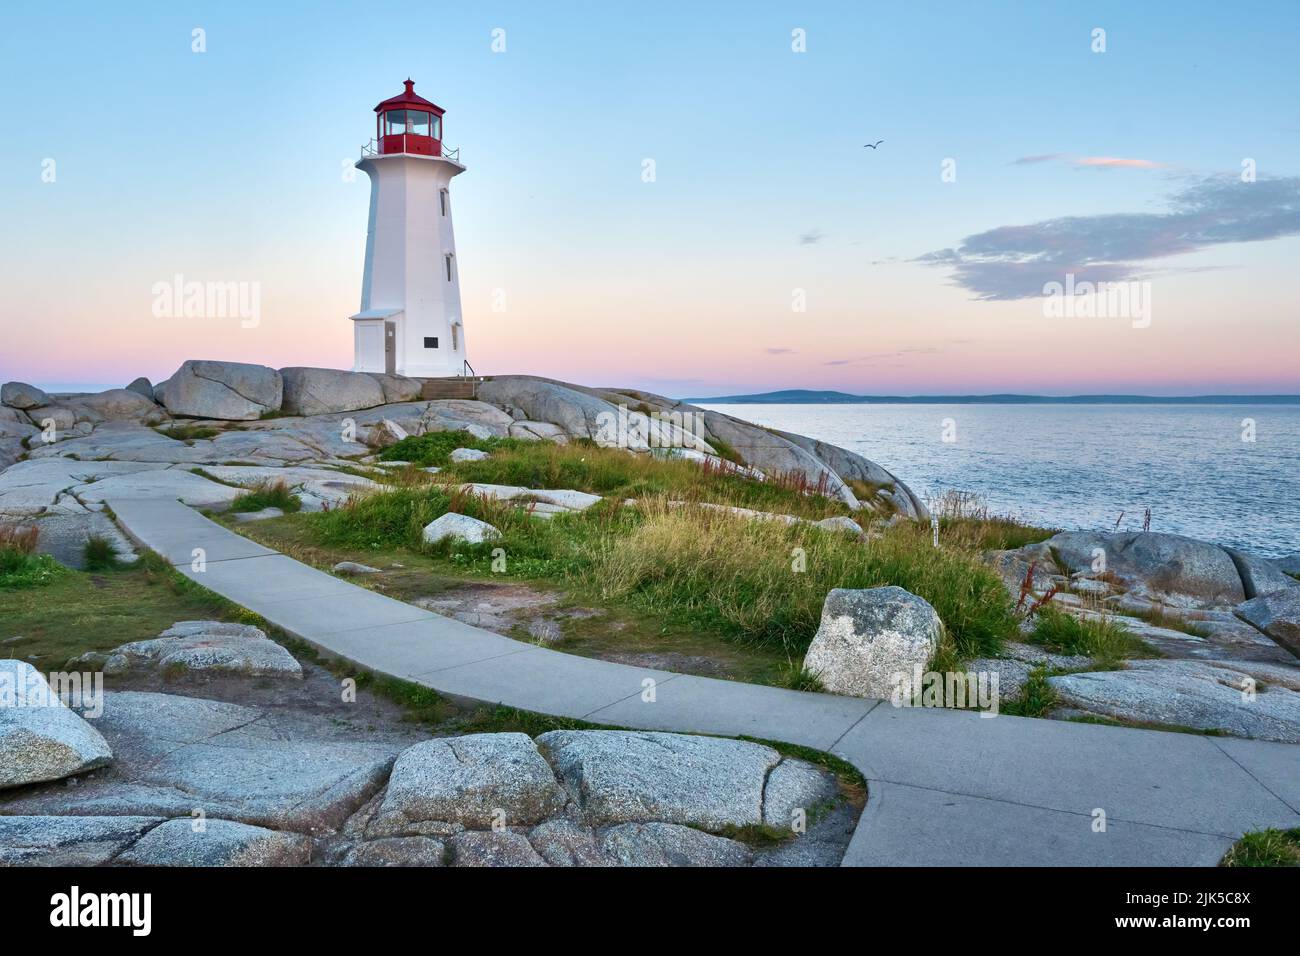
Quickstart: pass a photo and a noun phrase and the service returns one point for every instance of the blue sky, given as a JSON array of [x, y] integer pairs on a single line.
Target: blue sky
[[227, 165]]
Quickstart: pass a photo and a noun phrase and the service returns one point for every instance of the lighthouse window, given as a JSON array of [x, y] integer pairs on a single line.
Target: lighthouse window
[[430, 341], [448, 258], [442, 200], [419, 123]]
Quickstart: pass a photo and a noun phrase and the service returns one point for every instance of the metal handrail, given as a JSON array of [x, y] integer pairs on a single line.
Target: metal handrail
[[465, 365], [372, 149]]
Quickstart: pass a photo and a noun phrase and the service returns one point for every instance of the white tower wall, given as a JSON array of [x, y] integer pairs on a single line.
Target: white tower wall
[[406, 282]]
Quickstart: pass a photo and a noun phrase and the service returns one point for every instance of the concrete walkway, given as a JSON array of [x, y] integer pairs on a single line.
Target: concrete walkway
[[945, 787]]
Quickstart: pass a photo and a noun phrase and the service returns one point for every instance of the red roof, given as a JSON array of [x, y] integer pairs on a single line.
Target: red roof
[[408, 100]]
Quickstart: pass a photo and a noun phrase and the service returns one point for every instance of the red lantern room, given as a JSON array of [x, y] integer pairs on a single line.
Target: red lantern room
[[408, 123]]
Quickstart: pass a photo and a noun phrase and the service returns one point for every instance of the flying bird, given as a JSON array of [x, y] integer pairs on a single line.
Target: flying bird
[[873, 145]]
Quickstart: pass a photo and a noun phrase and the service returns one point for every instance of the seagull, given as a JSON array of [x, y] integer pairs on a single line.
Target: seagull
[[873, 145]]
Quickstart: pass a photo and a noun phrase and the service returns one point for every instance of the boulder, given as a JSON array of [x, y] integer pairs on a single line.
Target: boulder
[[459, 528], [468, 454], [538, 431], [1277, 614], [354, 567], [869, 638], [22, 395], [206, 649], [1260, 575], [579, 414], [143, 387], [115, 405], [1289, 565], [667, 844], [1164, 563], [229, 391], [624, 776], [189, 842], [40, 737], [478, 418], [68, 841], [493, 848], [562, 842], [795, 791], [321, 391], [397, 388], [1186, 693], [397, 851], [386, 433], [479, 780]]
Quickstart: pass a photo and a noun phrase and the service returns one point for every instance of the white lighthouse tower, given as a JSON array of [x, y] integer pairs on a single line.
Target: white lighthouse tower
[[410, 318]]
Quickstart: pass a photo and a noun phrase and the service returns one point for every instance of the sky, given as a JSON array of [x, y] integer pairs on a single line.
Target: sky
[[769, 249]]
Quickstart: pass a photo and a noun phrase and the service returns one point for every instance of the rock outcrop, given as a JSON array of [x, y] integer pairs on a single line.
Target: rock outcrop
[[206, 649], [869, 639], [322, 391], [40, 737], [1277, 614], [230, 391], [21, 395]]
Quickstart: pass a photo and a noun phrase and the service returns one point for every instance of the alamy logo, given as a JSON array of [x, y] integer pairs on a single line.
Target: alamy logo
[[1098, 300], [635, 429], [29, 688], [179, 299], [73, 909]]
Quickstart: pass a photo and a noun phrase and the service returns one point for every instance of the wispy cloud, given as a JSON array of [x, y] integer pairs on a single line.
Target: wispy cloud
[[1040, 158], [779, 351], [877, 357], [1088, 162], [811, 237], [1115, 162], [1014, 262]]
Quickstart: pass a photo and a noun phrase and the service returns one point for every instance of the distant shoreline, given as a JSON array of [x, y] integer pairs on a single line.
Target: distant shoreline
[[808, 397]]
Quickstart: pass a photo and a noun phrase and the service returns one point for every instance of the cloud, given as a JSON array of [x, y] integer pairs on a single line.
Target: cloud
[[1114, 162], [1014, 262], [1041, 158], [1088, 162], [875, 358], [779, 351], [811, 238]]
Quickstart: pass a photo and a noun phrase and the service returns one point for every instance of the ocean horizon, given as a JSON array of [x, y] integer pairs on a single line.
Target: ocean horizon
[[1223, 473]]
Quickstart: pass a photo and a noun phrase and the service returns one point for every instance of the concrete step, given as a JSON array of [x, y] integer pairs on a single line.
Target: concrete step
[[435, 389]]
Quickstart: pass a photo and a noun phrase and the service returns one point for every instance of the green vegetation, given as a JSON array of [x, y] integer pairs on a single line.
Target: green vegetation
[[78, 611], [612, 472], [1036, 699], [1097, 637], [1265, 848], [20, 565], [99, 554], [759, 583], [1173, 622], [267, 494], [435, 448]]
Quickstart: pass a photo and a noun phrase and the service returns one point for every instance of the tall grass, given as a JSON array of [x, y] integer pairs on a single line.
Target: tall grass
[[1096, 637], [435, 448], [267, 494], [765, 582], [618, 473]]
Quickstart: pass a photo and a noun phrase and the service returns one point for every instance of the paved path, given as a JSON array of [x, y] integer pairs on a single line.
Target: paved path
[[945, 787]]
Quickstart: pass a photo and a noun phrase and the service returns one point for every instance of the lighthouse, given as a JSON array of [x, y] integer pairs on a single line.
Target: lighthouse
[[410, 318]]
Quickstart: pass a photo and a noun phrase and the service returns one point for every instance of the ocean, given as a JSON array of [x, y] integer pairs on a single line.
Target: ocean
[[1223, 473]]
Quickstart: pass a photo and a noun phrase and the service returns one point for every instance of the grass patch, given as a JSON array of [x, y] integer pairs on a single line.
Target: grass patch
[[1174, 622], [1265, 848], [77, 611], [187, 433], [1099, 638], [20, 566], [617, 473], [267, 494], [99, 554], [1036, 699], [435, 448]]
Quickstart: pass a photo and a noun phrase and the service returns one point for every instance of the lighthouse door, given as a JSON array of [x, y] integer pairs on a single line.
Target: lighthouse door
[[390, 347]]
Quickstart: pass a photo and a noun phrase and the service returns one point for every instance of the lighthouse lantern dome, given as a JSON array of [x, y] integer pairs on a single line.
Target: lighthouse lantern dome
[[408, 123]]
